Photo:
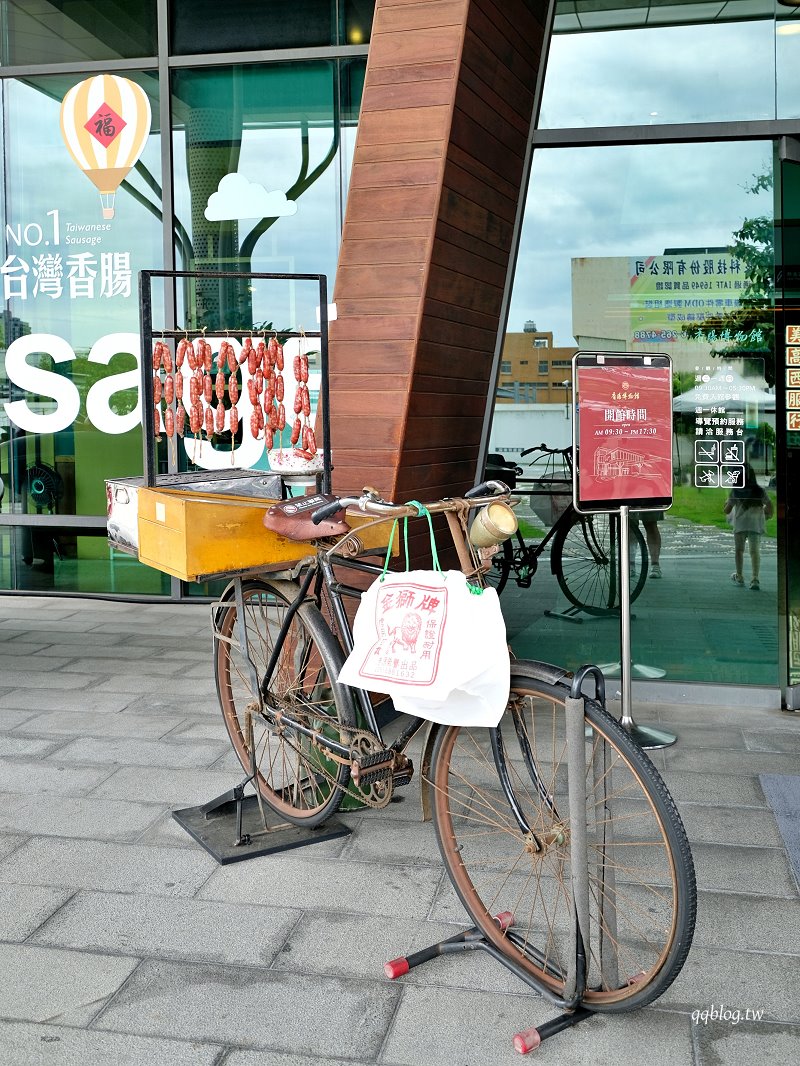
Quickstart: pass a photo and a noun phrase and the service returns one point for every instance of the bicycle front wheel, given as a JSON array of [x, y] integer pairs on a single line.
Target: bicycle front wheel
[[642, 894], [296, 778], [586, 562]]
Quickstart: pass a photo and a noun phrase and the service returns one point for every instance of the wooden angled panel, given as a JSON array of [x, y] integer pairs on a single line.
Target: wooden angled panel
[[437, 171]]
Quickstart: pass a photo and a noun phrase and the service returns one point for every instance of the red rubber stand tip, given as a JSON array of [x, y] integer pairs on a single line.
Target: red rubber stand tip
[[505, 919], [527, 1041], [396, 968]]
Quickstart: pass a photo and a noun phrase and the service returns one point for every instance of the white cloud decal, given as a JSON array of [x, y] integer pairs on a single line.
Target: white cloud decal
[[237, 197]]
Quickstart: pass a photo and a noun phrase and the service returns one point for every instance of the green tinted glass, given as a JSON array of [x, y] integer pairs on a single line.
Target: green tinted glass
[[649, 249], [202, 26], [67, 31]]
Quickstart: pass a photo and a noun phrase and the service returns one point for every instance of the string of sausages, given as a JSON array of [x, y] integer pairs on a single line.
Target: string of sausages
[[209, 378]]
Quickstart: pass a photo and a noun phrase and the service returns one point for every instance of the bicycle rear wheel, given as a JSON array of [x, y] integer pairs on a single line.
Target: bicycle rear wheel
[[642, 894], [294, 777], [585, 558]]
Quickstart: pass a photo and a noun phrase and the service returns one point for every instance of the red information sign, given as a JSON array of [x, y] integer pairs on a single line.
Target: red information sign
[[624, 432]]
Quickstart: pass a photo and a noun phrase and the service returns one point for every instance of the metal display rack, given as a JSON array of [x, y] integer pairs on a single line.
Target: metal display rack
[[173, 333], [232, 827]]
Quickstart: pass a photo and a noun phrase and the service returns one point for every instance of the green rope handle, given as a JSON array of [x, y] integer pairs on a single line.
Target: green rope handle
[[422, 512]]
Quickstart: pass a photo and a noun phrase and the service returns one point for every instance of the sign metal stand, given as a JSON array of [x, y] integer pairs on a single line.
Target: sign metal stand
[[604, 495]]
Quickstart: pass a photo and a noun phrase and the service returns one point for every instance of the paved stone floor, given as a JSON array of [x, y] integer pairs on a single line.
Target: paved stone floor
[[123, 942]]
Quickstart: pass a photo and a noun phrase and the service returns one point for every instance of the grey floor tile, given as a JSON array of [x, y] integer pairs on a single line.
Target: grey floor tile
[[751, 870], [357, 945], [159, 686], [105, 668], [108, 867], [316, 882], [18, 678], [285, 1012], [205, 707], [168, 832], [739, 980], [454, 1027], [75, 816], [205, 728], [729, 825], [20, 746], [24, 1044], [719, 738], [725, 1044], [725, 920], [145, 753], [23, 908], [11, 718], [392, 841], [50, 985], [39, 660], [118, 651], [43, 631], [65, 703], [182, 788], [785, 740], [280, 1058], [98, 724], [731, 762], [735, 790], [41, 776], [9, 843], [169, 928]]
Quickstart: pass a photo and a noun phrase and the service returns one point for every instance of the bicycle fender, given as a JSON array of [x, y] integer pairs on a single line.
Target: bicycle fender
[[425, 796], [546, 672]]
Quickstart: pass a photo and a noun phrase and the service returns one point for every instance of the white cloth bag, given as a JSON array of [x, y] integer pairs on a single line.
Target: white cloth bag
[[435, 644]]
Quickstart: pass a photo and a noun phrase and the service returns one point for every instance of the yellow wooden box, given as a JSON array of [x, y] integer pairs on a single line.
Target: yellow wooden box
[[196, 537]]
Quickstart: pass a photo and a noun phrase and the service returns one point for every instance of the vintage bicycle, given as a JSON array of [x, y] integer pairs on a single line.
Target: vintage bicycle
[[557, 832], [584, 549]]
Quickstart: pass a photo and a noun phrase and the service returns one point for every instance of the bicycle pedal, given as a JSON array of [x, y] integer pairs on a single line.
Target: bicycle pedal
[[370, 767], [403, 773]]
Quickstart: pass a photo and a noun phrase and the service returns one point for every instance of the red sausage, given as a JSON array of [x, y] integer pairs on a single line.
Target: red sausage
[[169, 388]]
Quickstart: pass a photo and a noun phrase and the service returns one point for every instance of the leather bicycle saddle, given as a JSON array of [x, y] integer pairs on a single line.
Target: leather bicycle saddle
[[292, 519]]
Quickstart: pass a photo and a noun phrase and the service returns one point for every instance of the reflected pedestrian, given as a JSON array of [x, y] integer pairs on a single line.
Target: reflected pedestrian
[[748, 507]]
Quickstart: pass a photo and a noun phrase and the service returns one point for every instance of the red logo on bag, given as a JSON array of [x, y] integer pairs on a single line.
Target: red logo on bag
[[409, 621]]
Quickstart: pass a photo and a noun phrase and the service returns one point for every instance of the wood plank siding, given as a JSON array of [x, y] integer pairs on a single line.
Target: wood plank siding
[[427, 238]]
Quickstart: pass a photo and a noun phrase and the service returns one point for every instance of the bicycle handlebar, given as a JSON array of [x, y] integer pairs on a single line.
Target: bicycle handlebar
[[546, 450], [372, 504]]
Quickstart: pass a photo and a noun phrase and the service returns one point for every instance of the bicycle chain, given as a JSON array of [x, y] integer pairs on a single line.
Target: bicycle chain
[[379, 794]]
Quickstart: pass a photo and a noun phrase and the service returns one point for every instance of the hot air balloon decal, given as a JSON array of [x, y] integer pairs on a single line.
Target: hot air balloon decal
[[105, 121]]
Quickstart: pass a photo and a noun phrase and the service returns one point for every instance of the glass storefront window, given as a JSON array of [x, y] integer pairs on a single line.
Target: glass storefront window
[[76, 31], [199, 27], [701, 71], [72, 248], [263, 142], [654, 248]]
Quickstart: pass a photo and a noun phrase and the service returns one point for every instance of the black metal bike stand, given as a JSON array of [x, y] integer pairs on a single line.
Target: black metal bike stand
[[232, 828], [473, 940]]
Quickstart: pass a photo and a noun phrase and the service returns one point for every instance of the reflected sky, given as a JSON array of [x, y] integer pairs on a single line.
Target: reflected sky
[[626, 201], [703, 73]]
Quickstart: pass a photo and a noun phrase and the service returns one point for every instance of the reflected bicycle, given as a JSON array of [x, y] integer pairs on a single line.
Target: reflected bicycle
[[584, 549]]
